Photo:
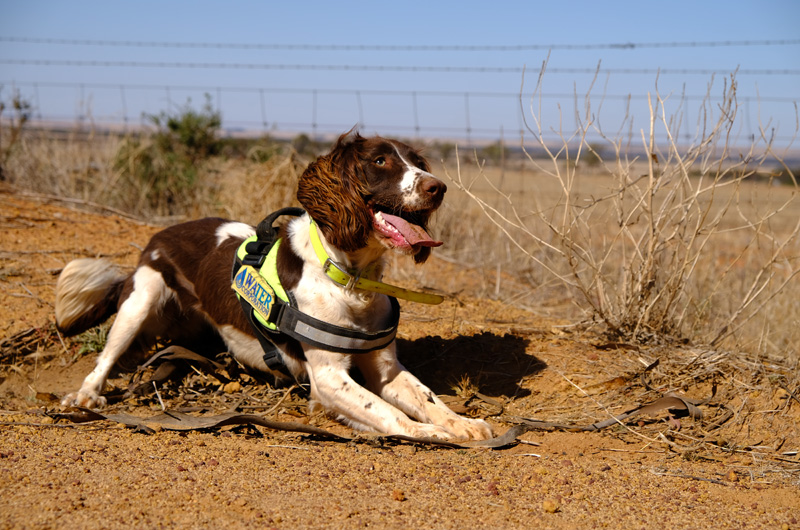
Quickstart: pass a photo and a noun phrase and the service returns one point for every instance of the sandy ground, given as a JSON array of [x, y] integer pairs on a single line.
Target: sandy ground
[[659, 472]]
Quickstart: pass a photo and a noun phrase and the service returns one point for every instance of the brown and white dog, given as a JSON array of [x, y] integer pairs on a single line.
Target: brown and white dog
[[368, 195]]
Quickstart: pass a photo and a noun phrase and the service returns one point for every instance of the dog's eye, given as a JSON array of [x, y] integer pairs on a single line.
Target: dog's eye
[[380, 161]]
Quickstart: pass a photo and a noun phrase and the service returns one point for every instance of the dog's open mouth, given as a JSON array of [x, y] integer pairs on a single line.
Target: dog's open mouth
[[402, 234]]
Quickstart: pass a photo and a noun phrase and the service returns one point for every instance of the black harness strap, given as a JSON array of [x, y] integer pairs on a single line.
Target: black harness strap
[[257, 251], [266, 236]]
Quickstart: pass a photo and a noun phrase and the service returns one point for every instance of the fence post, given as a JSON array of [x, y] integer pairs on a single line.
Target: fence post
[[466, 116], [81, 108], [263, 109], [314, 114], [416, 115], [360, 109], [124, 108], [38, 107]]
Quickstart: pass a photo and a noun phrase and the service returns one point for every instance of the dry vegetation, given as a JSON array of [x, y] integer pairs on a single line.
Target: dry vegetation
[[693, 243], [683, 260]]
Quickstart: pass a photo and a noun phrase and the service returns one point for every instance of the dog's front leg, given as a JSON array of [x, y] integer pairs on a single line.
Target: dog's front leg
[[389, 379], [334, 389]]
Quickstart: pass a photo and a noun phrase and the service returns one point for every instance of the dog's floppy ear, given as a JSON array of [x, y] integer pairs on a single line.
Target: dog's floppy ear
[[332, 192], [422, 255]]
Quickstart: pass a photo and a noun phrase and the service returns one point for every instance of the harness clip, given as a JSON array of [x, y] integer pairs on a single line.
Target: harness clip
[[352, 280]]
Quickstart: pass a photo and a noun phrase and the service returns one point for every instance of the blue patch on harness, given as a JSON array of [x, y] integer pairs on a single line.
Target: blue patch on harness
[[251, 286]]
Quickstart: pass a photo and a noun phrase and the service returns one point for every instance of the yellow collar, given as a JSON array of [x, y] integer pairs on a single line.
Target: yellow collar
[[340, 275]]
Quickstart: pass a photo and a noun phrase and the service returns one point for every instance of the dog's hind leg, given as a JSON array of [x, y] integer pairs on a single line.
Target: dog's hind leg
[[148, 297]]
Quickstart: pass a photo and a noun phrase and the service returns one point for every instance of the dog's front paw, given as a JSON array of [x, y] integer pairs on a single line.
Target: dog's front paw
[[83, 398], [465, 429], [428, 430]]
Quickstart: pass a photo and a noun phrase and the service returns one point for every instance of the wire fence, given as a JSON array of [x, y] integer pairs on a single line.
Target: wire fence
[[60, 98], [467, 117], [403, 47]]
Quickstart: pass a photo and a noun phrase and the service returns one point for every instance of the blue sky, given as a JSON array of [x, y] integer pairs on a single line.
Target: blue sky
[[404, 102]]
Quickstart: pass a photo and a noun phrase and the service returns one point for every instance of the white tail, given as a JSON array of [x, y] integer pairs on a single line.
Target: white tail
[[82, 287]]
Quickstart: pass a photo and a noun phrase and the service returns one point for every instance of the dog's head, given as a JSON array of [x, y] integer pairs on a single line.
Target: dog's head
[[372, 188]]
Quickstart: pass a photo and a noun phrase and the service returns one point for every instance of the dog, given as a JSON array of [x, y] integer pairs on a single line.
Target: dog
[[365, 197]]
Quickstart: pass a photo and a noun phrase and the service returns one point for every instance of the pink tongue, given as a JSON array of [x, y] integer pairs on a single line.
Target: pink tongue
[[414, 234]]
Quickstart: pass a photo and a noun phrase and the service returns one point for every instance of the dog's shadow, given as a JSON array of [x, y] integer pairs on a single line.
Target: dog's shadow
[[494, 364]]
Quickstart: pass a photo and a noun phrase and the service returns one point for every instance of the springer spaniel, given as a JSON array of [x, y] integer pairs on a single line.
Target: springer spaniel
[[366, 196]]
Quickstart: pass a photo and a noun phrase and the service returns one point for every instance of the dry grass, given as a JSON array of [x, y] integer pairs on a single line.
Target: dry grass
[[70, 165], [740, 257], [250, 191], [81, 166], [684, 242]]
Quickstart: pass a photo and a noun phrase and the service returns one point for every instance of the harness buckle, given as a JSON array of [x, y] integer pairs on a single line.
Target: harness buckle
[[254, 260], [352, 280]]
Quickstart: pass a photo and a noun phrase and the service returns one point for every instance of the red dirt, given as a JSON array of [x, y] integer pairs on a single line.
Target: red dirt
[[104, 475]]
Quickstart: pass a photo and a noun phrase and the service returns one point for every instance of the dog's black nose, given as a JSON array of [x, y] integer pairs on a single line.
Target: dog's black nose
[[433, 187]]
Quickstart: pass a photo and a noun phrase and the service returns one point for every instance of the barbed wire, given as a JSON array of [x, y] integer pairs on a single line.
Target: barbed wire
[[397, 68], [264, 104], [405, 47], [347, 91]]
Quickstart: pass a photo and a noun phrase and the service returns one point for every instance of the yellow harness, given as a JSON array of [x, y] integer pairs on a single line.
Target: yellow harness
[[273, 313]]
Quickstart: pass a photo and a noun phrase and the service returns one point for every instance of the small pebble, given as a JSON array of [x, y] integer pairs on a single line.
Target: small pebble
[[551, 506]]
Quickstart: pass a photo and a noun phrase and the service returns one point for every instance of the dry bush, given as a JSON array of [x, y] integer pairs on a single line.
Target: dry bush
[[683, 243], [12, 127], [178, 168], [92, 168]]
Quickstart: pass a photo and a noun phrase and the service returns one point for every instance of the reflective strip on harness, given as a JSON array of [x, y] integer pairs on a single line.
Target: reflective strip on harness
[[289, 321], [338, 341]]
